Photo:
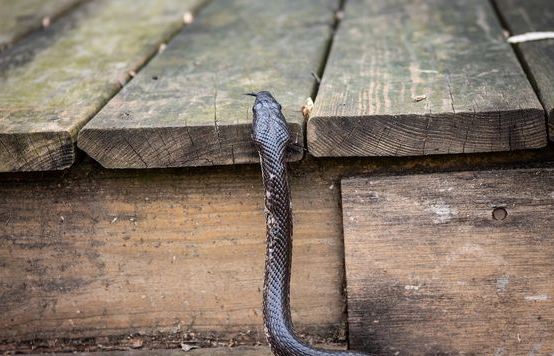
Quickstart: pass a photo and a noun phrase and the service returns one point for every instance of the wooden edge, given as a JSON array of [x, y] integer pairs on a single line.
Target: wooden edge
[[326, 139], [53, 150], [161, 148]]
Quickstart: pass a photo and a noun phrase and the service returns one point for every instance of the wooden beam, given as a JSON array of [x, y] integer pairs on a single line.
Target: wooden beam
[[187, 107], [80, 248], [55, 81], [530, 16], [453, 263], [96, 253], [217, 351], [19, 18], [423, 77]]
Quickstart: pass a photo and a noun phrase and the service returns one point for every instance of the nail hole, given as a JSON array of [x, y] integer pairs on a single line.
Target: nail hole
[[155, 77], [499, 214]]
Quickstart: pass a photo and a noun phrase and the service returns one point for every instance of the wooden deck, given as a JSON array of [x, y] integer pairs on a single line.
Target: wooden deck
[[131, 207]]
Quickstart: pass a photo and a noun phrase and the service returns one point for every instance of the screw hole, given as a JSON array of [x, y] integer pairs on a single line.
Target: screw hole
[[499, 214], [155, 77]]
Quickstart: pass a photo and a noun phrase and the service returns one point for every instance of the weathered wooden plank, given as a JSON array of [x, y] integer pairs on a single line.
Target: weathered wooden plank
[[40, 250], [166, 253], [529, 16], [20, 17], [187, 107], [423, 77], [218, 351], [457, 263], [52, 83]]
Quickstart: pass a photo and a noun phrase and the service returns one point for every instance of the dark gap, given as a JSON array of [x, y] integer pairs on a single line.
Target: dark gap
[[521, 58], [338, 13]]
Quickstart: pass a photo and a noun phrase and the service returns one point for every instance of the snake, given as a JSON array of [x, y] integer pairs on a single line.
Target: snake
[[271, 137]]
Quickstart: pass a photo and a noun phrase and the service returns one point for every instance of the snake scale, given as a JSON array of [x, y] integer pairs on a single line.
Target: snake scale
[[271, 137]]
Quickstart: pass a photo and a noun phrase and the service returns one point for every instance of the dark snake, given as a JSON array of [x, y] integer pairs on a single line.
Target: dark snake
[[271, 137]]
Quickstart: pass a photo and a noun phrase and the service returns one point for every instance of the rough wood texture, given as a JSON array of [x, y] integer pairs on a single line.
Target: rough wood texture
[[219, 351], [20, 17], [50, 267], [54, 81], [187, 107], [168, 252], [430, 271], [528, 16], [423, 77]]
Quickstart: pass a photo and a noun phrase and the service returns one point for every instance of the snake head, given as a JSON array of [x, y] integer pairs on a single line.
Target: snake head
[[269, 127]]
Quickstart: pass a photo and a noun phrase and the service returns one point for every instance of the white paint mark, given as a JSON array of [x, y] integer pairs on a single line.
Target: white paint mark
[[537, 298], [443, 212], [502, 283], [411, 287], [428, 71], [188, 18], [531, 36]]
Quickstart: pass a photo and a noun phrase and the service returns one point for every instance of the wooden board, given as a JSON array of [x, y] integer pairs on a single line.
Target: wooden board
[[169, 253], [53, 82], [50, 267], [530, 16], [20, 17], [422, 77], [434, 266], [219, 351], [187, 107]]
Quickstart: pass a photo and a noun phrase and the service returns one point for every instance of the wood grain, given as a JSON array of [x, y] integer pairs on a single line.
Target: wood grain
[[52, 83], [20, 17], [51, 267], [187, 107], [529, 16], [433, 266], [218, 351], [423, 77], [173, 252]]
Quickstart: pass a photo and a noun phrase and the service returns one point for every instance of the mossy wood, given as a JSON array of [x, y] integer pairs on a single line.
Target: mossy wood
[[452, 263], [423, 77], [52, 83], [523, 16], [188, 108], [20, 17]]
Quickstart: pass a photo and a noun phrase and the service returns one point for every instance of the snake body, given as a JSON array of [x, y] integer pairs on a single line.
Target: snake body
[[271, 137]]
